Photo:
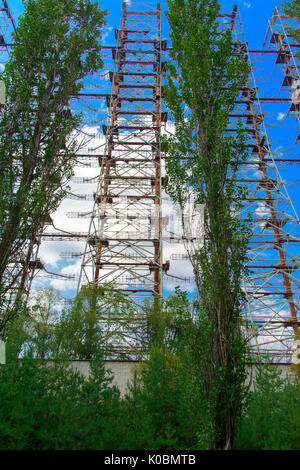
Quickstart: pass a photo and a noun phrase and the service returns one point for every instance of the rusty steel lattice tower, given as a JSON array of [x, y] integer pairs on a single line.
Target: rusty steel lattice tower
[[125, 237], [124, 242], [6, 23], [272, 287], [126, 234]]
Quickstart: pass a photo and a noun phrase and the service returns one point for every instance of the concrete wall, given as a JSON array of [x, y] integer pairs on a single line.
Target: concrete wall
[[123, 371]]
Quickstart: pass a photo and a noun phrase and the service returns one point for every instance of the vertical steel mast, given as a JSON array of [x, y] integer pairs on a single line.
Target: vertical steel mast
[[124, 242], [272, 286]]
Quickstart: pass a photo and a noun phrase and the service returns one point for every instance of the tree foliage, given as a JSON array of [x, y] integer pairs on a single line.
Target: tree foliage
[[272, 418], [57, 43], [99, 317], [203, 80], [46, 404], [292, 9]]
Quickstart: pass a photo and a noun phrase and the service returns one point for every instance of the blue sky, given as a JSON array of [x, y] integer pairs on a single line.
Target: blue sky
[[281, 125], [254, 15]]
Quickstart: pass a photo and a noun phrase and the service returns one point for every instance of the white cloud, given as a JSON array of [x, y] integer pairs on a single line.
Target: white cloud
[[245, 4], [64, 285]]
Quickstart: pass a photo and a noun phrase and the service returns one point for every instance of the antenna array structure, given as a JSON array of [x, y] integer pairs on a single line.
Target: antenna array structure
[[271, 318], [125, 236], [124, 169], [124, 243]]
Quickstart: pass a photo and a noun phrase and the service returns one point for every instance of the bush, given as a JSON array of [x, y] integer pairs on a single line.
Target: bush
[[272, 419], [51, 406]]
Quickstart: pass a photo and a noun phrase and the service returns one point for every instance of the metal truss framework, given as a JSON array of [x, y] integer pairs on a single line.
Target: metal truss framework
[[124, 242], [272, 288], [6, 23], [119, 248]]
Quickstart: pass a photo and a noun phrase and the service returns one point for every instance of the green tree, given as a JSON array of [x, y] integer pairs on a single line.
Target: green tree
[[78, 334], [39, 323], [272, 417], [292, 9], [56, 45], [162, 406], [97, 318], [166, 404], [51, 406], [203, 80], [44, 402]]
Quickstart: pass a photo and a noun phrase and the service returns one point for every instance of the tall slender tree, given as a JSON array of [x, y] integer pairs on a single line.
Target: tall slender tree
[[292, 8], [203, 80], [57, 43]]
